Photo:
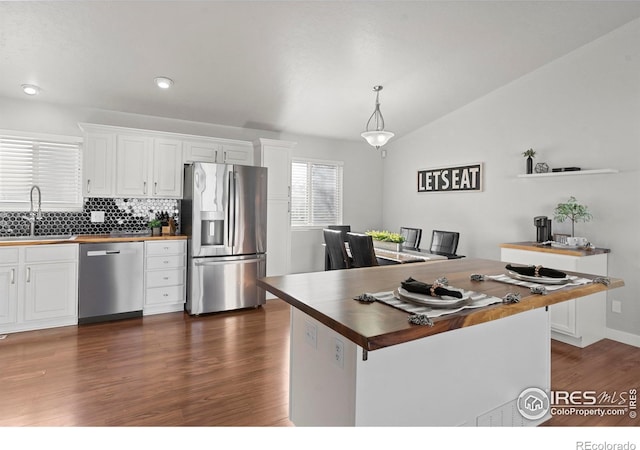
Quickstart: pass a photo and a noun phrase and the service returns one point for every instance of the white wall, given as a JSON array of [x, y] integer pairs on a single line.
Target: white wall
[[580, 110], [362, 164]]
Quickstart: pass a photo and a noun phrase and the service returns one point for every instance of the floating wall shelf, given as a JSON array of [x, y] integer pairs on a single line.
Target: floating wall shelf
[[569, 173]]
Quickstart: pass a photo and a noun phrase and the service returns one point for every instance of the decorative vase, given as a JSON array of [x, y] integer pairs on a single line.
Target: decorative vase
[[529, 164]]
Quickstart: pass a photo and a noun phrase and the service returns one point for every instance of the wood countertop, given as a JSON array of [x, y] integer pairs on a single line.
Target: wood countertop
[[89, 239], [329, 298], [538, 247], [98, 238]]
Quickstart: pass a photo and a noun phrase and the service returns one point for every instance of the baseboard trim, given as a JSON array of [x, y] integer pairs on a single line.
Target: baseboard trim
[[622, 336]]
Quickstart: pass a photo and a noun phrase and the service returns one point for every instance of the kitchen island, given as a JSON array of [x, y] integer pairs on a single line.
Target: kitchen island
[[364, 364]]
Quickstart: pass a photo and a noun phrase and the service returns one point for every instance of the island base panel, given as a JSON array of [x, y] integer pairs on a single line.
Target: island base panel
[[466, 377]]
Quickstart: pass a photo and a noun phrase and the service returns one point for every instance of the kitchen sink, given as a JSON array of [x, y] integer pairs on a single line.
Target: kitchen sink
[[56, 237]]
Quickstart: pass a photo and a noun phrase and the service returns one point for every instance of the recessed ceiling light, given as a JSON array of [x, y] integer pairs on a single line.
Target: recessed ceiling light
[[163, 82], [31, 89]]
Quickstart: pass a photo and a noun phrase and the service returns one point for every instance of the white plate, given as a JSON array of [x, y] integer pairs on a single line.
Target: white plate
[[444, 301], [541, 280]]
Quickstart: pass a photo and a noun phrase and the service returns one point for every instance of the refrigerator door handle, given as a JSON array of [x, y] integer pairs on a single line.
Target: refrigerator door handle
[[236, 202], [229, 208]]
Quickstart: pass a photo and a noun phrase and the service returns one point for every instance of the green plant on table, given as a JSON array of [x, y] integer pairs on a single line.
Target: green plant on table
[[529, 153], [386, 236], [573, 211]]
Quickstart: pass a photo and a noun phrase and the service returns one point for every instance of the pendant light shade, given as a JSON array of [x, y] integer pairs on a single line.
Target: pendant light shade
[[378, 136]]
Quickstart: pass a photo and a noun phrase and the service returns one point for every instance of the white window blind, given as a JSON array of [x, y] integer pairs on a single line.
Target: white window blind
[[316, 193], [53, 164]]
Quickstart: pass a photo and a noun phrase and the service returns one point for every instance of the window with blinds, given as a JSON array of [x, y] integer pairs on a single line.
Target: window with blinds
[[316, 193], [51, 163]]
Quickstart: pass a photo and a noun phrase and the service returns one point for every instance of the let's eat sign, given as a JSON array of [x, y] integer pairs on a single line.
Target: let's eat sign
[[451, 179]]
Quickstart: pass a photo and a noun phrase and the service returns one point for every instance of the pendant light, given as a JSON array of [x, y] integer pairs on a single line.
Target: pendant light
[[378, 137]]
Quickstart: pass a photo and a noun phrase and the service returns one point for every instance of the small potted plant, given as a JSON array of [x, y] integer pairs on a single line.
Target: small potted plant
[[387, 240], [573, 211], [156, 226], [529, 154]]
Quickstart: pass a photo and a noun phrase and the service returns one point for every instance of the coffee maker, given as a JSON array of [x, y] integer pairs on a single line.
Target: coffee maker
[[543, 228]]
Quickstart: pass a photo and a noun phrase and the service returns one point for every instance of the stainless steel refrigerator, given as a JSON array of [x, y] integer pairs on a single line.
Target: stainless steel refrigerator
[[224, 214]]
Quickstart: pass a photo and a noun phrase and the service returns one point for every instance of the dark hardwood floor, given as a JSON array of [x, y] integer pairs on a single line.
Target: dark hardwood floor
[[606, 367], [228, 369]]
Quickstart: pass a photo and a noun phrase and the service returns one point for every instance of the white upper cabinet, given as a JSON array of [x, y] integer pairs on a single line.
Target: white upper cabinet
[[237, 154], [99, 164], [218, 151], [129, 162], [132, 169], [148, 167], [201, 151], [166, 170]]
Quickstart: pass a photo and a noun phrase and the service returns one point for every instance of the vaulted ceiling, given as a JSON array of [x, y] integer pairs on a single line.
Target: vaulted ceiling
[[304, 67]]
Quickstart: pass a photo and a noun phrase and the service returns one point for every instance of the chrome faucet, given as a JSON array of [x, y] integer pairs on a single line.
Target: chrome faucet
[[33, 215]]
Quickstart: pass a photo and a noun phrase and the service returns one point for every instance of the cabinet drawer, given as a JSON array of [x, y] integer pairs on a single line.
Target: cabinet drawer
[[9, 255], [169, 294], [166, 262], [165, 278], [165, 247], [53, 252]]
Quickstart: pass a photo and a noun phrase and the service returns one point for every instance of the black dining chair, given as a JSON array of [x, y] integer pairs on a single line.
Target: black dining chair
[[335, 250], [362, 252], [411, 237], [344, 228], [445, 243]]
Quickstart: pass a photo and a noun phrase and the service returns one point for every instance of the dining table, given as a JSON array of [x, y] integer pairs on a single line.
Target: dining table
[[359, 357], [386, 256]]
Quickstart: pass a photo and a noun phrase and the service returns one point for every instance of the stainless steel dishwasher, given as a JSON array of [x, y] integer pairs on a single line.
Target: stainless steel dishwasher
[[111, 282]]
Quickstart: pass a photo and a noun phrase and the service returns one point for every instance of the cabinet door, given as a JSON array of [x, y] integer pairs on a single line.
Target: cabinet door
[[51, 290], [8, 294], [278, 237], [237, 154], [278, 162], [561, 315], [98, 164], [201, 151], [132, 166], [167, 168]]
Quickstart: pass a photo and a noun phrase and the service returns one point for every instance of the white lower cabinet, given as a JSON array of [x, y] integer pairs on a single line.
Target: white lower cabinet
[[8, 286], [38, 287], [578, 322], [165, 276]]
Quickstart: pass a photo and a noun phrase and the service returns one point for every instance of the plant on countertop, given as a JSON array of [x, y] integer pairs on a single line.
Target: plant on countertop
[[155, 223], [573, 211], [529, 153], [386, 236]]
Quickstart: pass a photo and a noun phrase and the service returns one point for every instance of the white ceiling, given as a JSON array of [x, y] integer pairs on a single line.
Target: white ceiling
[[304, 67]]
